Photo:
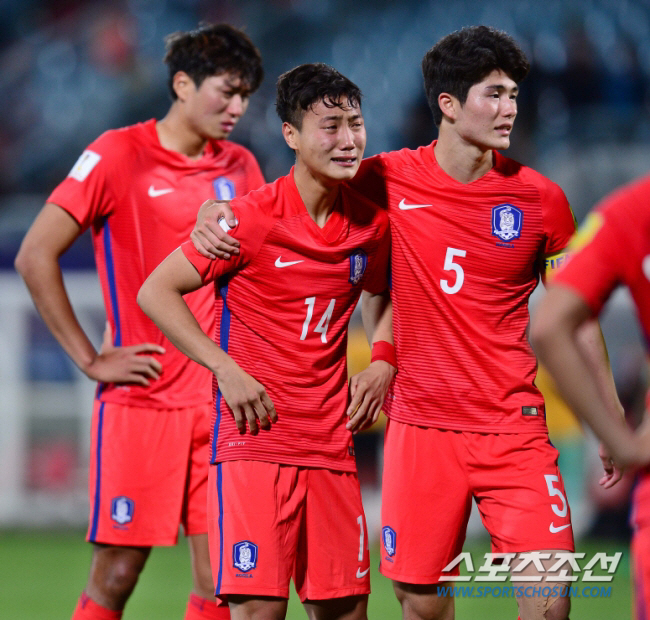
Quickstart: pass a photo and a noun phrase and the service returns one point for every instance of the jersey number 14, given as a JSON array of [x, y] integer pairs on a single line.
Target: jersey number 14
[[324, 322]]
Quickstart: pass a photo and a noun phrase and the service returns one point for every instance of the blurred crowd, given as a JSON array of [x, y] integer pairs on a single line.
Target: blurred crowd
[[73, 68]]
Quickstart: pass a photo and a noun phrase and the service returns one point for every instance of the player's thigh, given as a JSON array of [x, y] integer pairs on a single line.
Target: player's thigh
[[194, 516], [255, 510], [640, 552], [137, 473], [345, 608], [423, 602], [519, 492], [332, 560], [425, 503]]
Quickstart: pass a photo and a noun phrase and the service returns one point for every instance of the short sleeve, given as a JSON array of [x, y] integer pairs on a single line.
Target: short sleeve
[[595, 268], [250, 230], [86, 192], [559, 226], [559, 222]]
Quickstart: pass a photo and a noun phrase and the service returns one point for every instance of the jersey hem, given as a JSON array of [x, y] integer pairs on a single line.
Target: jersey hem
[[147, 403], [329, 465], [169, 541], [278, 592], [537, 427], [324, 595]]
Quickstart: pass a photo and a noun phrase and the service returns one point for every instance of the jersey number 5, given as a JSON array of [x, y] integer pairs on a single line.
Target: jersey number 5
[[450, 265], [555, 492], [324, 322]]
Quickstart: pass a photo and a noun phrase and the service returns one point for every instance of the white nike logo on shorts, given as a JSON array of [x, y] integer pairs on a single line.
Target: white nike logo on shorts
[[279, 263], [154, 193], [555, 530], [404, 206], [361, 573]]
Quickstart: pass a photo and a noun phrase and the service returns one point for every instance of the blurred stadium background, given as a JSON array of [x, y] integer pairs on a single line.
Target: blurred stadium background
[[70, 69]]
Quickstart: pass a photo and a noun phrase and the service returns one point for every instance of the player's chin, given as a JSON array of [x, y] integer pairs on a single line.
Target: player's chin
[[501, 142], [219, 133]]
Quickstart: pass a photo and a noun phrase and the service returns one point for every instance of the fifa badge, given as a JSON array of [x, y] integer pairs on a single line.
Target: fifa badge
[[244, 555], [507, 221], [358, 264], [389, 538], [122, 509]]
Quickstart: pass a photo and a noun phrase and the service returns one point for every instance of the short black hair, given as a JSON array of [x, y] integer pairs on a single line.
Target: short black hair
[[463, 58], [304, 86], [213, 49]]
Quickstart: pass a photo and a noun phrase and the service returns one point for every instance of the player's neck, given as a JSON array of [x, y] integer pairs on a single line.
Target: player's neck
[[461, 160], [318, 197], [175, 135]]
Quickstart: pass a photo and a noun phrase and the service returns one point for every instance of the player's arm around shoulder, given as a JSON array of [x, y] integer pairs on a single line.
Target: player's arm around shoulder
[[161, 299], [211, 235]]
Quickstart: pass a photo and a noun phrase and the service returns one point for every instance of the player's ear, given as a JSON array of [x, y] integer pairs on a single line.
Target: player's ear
[[291, 135], [448, 105], [182, 84]]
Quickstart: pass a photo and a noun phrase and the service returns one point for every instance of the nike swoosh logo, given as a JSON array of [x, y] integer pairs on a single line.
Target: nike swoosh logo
[[555, 530], [405, 207], [280, 264], [361, 573], [154, 193]]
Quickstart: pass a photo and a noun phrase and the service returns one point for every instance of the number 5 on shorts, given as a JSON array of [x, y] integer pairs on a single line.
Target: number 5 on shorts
[[553, 491]]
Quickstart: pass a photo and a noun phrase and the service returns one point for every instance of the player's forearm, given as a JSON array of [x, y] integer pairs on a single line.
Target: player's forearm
[[377, 317], [590, 341], [44, 280], [558, 349]]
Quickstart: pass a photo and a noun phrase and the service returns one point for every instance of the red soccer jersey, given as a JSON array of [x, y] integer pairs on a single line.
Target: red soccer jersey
[[283, 307], [141, 202], [465, 259], [613, 248]]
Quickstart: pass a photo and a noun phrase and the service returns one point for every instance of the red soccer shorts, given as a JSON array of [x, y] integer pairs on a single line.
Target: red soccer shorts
[[430, 476], [270, 522], [148, 474]]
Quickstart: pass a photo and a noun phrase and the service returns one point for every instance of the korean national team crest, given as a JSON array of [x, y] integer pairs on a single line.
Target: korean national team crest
[[389, 538], [358, 264], [224, 189], [122, 509], [507, 221], [244, 555]]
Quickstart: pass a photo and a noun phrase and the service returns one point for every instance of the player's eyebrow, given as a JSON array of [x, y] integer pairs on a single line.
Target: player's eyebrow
[[501, 88], [331, 117], [338, 117]]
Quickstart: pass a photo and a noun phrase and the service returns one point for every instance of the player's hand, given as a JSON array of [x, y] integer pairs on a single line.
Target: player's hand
[[208, 237], [124, 364], [247, 398], [613, 472], [367, 392]]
